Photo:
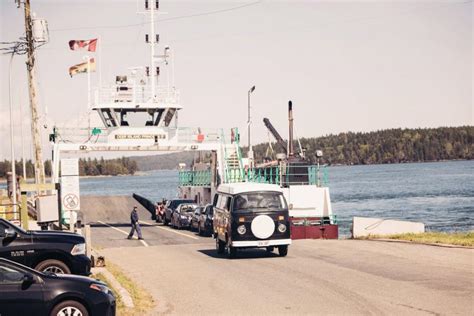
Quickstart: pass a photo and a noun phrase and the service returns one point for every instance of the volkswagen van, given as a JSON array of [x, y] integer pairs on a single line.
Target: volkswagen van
[[251, 215]]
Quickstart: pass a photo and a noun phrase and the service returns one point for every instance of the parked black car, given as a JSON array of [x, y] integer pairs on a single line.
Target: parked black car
[[205, 225], [45, 251], [171, 206], [181, 217], [24, 291], [195, 218]]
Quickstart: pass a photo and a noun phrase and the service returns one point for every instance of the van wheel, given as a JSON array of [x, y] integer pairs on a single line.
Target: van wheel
[[69, 308], [53, 266], [220, 246], [283, 250], [232, 252]]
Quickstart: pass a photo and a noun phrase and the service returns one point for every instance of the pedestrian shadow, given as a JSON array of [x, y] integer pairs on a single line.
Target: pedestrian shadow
[[241, 254]]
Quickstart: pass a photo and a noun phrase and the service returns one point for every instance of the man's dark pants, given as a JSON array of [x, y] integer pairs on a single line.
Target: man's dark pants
[[135, 227]]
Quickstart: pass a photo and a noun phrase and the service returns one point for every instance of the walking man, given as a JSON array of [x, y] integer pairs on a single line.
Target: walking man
[[135, 224]]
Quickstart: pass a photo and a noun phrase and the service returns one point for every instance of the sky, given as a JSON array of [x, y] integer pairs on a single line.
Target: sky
[[347, 65]]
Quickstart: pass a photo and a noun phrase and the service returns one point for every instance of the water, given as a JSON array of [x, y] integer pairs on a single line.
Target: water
[[440, 194]]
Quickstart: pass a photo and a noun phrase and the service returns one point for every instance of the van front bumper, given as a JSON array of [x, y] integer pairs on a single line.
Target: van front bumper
[[260, 243]]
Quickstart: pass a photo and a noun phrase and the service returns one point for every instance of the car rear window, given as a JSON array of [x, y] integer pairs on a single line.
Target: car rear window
[[175, 203]]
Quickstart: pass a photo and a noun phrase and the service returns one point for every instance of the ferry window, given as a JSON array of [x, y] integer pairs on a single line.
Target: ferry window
[[258, 201]]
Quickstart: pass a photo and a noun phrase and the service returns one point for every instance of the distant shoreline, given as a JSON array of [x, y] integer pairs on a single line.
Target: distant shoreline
[[147, 172]]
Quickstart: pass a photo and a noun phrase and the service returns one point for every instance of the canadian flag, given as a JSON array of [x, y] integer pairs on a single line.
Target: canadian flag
[[89, 45]]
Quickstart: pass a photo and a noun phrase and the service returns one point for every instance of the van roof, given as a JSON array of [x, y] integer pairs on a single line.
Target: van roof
[[236, 188]]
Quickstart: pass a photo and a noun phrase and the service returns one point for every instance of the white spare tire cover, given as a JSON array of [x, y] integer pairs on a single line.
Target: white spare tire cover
[[262, 226]]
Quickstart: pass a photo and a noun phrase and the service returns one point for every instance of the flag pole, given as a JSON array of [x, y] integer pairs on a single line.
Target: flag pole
[[88, 94], [99, 42]]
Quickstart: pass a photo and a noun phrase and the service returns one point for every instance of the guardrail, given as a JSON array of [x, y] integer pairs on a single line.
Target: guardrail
[[6, 212]]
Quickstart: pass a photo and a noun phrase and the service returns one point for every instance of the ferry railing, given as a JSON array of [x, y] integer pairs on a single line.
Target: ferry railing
[[79, 135], [139, 93], [196, 135], [195, 178], [289, 175]]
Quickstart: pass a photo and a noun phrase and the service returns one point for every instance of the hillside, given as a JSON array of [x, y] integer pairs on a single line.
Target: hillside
[[378, 147]]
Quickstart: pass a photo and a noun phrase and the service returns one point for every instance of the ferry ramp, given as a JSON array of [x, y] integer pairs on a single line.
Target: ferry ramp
[[109, 217], [110, 209]]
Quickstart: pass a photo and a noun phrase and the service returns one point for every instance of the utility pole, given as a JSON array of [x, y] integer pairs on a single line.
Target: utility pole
[[30, 66]]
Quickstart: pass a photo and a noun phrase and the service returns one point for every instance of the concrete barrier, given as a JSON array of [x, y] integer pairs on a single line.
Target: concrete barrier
[[364, 226]]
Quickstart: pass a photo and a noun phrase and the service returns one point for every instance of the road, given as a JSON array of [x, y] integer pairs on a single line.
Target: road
[[185, 276]]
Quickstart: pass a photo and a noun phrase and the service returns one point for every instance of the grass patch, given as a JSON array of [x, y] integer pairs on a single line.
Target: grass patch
[[142, 300], [458, 239]]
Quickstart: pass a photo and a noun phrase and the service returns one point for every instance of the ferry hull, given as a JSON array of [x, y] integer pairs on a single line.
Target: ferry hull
[[302, 231]]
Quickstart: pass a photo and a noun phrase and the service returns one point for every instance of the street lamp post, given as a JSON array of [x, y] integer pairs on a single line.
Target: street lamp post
[[250, 152], [11, 138]]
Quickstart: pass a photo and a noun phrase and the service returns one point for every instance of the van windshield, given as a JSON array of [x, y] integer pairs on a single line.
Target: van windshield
[[258, 201]]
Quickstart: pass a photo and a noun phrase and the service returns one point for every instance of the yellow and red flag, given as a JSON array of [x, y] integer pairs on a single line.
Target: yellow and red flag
[[82, 67], [89, 45]]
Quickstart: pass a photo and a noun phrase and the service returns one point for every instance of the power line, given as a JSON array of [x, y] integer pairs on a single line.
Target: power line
[[161, 20]]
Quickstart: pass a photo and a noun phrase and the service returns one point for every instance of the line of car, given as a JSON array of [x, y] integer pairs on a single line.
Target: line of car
[[36, 275], [242, 216], [185, 214]]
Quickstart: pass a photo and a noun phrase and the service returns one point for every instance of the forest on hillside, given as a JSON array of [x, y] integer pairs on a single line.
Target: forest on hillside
[[87, 167], [388, 146]]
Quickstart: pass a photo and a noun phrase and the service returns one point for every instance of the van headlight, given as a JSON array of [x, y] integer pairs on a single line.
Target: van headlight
[[282, 228], [78, 249], [241, 229]]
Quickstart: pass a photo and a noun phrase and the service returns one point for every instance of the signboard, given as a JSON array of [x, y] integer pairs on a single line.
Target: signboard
[[70, 167], [140, 136], [70, 185]]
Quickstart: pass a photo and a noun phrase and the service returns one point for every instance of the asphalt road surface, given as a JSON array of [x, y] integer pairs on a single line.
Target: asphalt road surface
[[340, 277]]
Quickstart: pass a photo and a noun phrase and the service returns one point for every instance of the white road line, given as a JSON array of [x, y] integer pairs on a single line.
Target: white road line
[[124, 232], [172, 231]]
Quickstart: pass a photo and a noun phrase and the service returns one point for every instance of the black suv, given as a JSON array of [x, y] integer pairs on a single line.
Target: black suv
[[171, 206], [24, 291], [45, 251]]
